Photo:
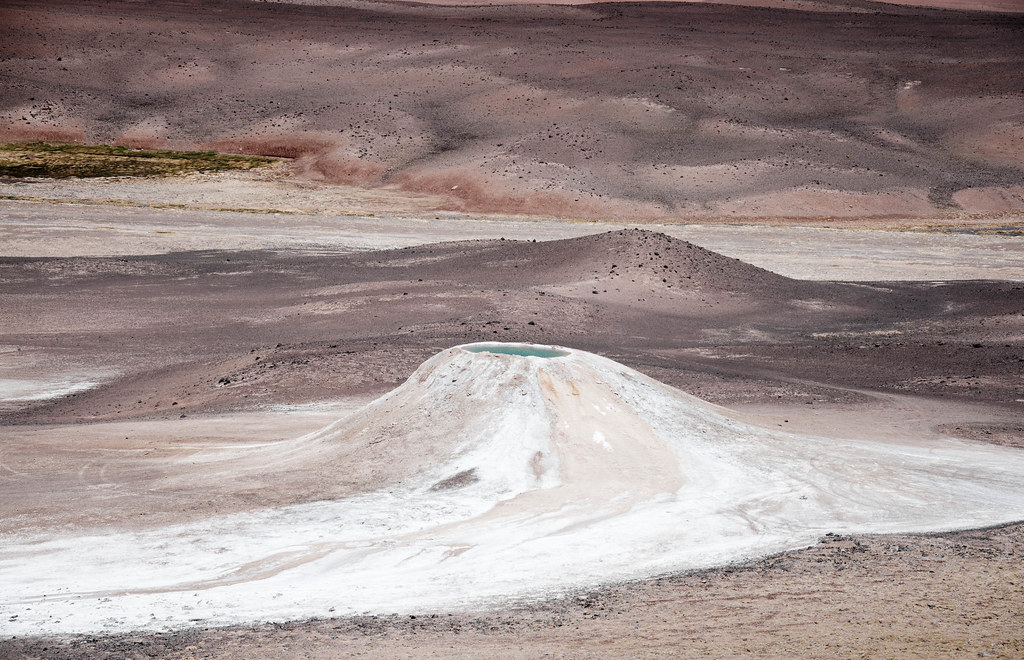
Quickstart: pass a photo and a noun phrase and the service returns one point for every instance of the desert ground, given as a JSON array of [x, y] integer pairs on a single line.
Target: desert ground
[[807, 215], [629, 111]]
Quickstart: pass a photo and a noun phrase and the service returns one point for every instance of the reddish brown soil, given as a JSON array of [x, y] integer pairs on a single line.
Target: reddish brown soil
[[630, 110]]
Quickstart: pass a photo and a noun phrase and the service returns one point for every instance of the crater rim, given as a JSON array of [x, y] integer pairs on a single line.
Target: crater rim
[[519, 349]]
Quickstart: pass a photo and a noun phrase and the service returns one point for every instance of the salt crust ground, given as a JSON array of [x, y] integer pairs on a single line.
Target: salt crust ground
[[536, 476]]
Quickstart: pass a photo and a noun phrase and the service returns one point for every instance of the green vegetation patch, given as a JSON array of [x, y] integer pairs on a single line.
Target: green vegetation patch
[[60, 161]]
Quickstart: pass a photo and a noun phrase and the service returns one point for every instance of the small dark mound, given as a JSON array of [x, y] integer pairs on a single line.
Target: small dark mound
[[631, 258], [638, 253]]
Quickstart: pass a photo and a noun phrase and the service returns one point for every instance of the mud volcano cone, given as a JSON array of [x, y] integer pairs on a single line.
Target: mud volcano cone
[[508, 471], [565, 437], [499, 420]]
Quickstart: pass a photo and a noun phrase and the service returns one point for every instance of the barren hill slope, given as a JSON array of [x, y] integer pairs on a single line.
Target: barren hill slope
[[656, 110]]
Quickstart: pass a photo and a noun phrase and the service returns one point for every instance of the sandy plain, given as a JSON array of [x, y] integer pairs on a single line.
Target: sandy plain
[[193, 317]]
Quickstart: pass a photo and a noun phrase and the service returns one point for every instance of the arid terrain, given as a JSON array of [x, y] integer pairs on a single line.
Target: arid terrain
[[807, 212], [630, 111], [202, 354]]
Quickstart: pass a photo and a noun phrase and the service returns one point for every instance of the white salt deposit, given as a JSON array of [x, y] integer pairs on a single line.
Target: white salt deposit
[[25, 377], [554, 473], [19, 389]]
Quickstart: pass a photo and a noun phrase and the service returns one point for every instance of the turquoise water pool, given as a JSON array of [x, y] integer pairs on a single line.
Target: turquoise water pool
[[524, 350]]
